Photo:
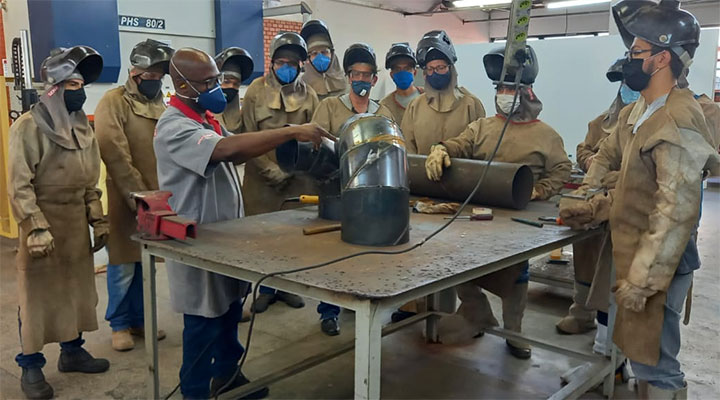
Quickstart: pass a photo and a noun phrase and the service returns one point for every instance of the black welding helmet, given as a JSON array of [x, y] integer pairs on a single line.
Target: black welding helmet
[[64, 62], [399, 50], [614, 73], [289, 41], [236, 62], [494, 60], [435, 43], [315, 27], [359, 53], [151, 52]]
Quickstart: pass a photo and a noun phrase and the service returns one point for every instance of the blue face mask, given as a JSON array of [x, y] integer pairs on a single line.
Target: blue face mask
[[403, 79], [286, 74], [213, 100], [628, 95], [361, 88], [439, 81], [321, 62]]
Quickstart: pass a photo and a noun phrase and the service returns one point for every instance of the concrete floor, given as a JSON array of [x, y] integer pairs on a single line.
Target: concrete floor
[[411, 368]]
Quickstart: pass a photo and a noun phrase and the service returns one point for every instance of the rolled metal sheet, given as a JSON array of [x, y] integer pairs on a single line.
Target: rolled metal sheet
[[505, 185]]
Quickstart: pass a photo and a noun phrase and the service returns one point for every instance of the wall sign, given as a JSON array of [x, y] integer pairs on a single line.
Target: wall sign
[[142, 22]]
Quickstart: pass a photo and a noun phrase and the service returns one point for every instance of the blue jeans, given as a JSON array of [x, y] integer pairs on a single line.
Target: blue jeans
[[125, 296], [267, 290], [210, 350], [37, 360], [667, 374], [328, 311]]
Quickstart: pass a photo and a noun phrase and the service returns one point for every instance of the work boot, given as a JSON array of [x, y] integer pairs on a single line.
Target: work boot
[[513, 310], [400, 315], [290, 299], [79, 360], [34, 385], [646, 391], [580, 319], [330, 326], [263, 301], [240, 380], [122, 340], [140, 332]]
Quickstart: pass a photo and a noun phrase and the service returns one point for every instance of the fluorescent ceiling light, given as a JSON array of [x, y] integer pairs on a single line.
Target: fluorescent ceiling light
[[574, 3], [568, 37], [478, 3]]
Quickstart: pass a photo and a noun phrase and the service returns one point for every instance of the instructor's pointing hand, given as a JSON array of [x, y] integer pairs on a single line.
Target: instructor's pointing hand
[[312, 133]]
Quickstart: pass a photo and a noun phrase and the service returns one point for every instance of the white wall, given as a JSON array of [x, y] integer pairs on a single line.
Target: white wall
[[572, 83]]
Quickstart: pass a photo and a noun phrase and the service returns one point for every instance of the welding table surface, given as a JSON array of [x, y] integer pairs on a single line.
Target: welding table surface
[[274, 242]]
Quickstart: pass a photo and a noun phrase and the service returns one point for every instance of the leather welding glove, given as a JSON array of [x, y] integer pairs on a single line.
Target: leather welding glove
[[436, 161], [40, 243], [537, 194], [630, 296], [579, 214], [101, 231]]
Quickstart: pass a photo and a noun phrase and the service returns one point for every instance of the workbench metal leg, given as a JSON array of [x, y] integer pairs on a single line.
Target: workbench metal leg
[[609, 384], [431, 324], [368, 337], [151, 342]]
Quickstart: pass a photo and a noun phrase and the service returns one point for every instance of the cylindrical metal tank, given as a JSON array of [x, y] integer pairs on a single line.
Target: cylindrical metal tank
[[505, 185], [374, 182]]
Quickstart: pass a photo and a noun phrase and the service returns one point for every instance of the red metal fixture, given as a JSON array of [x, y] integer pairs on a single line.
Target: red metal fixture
[[157, 221]]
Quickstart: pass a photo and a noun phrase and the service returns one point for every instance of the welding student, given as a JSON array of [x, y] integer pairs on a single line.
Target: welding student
[[236, 66], [54, 166], [445, 109], [591, 253], [401, 62], [325, 74], [527, 140], [125, 121], [361, 69], [273, 101], [655, 207], [195, 157]]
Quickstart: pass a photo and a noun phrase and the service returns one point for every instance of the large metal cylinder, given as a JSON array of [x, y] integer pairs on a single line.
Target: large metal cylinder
[[374, 182], [505, 185]]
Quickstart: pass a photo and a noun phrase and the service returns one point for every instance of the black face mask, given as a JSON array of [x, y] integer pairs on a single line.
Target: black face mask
[[230, 94], [634, 76], [150, 88], [74, 99]]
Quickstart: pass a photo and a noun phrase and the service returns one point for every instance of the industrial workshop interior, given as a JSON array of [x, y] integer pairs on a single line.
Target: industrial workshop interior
[[366, 199]]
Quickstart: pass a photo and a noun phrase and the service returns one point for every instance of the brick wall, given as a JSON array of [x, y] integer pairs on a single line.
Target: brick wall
[[271, 28]]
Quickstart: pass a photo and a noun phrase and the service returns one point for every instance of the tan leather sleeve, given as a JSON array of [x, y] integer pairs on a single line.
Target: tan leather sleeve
[[407, 126], [462, 146], [23, 158], [557, 170], [671, 222], [110, 115]]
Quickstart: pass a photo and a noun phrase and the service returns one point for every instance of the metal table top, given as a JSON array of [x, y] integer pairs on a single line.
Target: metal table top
[[274, 242]]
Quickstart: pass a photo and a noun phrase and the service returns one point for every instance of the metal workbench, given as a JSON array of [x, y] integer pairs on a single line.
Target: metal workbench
[[372, 286]]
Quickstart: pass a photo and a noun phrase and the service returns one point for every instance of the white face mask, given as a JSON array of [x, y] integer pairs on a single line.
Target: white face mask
[[505, 103]]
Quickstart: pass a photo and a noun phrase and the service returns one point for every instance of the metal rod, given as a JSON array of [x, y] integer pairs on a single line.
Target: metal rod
[[506, 185], [313, 360], [26, 63]]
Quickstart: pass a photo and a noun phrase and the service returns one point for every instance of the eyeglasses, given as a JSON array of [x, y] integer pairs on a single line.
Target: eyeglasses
[[635, 53], [206, 84], [151, 76], [281, 63], [326, 53], [361, 75], [440, 69]]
